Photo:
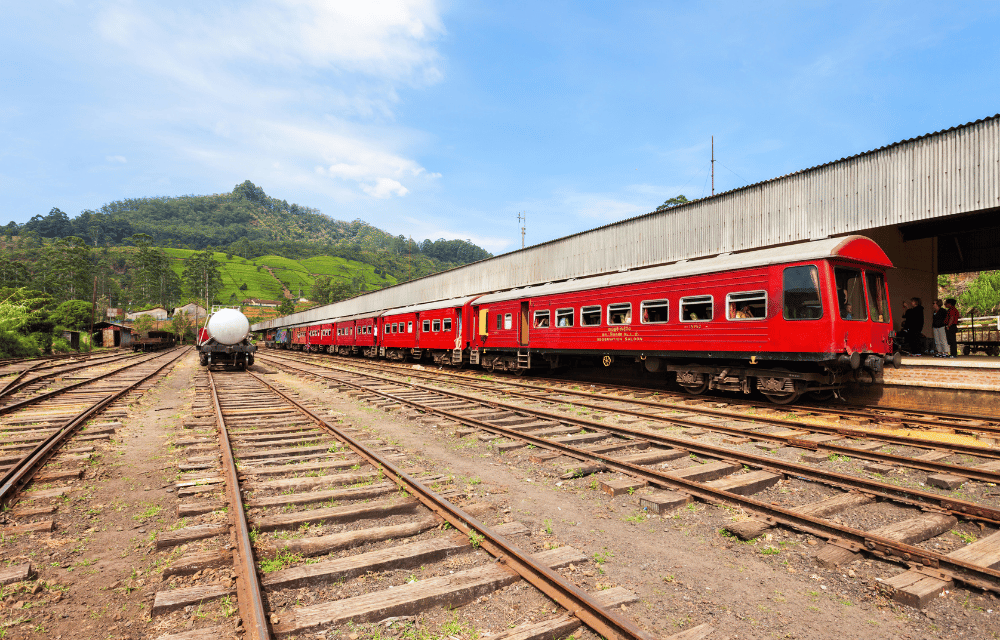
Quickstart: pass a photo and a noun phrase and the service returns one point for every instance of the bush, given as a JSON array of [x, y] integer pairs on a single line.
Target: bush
[[60, 345], [42, 340], [13, 345]]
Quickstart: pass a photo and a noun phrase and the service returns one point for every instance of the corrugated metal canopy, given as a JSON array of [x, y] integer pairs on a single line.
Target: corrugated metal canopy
[[816, 250], [942, 174]]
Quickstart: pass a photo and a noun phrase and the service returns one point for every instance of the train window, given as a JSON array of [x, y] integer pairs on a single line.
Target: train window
[[655, 311], [801, 293], [746, 305], [409, 327], [620, 313], [426, 326], [340, 332], [437, 325], [447, 324], [564, 317], [696, 308], [508, 321], [876, 297], [499, 321], [590, 316], [541, 320], [850, 293]]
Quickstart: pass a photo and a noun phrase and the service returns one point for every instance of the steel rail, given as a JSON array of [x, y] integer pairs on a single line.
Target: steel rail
[[14, 380], [52, 374], [873, 414], [913, 497], [248, 594], [10, 408], [982, 475], [23, 470], [841, 535], [578, 602], [926, 465]]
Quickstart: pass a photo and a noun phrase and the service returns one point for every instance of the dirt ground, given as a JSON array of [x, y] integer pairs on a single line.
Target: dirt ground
[[685, 571], [97, 572]]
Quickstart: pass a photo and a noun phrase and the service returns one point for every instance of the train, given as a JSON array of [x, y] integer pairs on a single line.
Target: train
[[153, 340], [224, 340], [785, 321]]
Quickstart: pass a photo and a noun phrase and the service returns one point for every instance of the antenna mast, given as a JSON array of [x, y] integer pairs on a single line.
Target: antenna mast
[[523, 219], [713, 165]]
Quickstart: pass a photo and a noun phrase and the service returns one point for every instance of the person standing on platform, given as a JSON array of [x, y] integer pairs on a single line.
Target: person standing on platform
[[914, 323], [951, 325], [937, 327]]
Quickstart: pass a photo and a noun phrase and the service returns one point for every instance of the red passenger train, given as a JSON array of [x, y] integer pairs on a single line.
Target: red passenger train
[[804, 318]]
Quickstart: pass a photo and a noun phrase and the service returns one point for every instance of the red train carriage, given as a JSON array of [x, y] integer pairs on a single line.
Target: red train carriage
[[269, 337], [300, 338], [786, 320], [344, 338], [319, 337], [362, 335], [398, 331], [445, 330]]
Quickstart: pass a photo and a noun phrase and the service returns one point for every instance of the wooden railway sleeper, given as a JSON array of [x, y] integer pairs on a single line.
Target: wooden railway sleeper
[[880, 489], [963, 572]]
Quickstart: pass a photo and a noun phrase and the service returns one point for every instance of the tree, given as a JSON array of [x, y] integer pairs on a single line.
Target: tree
[[73, 314], [983, 294], [201, 277], [144, 323], [672, 202], [326, 290], [286, 307], [180, 324], [67, 269]]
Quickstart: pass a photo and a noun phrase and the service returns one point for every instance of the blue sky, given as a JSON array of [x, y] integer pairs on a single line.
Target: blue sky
[[446, 119]]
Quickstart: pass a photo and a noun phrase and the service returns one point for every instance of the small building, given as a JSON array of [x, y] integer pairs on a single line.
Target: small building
[[258, 302], [191, 309], [111, 334], [156, 313], [114, 312]]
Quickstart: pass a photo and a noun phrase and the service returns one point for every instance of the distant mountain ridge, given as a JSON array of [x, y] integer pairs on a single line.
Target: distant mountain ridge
[[265, 247]]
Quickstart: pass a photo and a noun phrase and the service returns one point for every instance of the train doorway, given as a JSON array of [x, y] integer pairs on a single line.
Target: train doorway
[[525, 323]]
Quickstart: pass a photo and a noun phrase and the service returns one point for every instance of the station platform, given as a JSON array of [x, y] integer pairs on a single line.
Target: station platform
[[968, 385]]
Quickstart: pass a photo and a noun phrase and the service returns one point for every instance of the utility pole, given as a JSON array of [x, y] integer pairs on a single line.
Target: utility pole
[[93, 311], [713, 165], [523, 219]]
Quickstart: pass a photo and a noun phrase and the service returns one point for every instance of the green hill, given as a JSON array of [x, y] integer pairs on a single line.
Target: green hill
[[265, 247]]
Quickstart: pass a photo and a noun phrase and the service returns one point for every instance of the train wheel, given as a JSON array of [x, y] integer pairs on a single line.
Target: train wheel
[[966, 350], [783, 398], [698, 389]]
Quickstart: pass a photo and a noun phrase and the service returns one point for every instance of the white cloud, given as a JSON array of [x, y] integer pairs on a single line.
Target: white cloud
[[120, 159], [384, 188], [309, 85]]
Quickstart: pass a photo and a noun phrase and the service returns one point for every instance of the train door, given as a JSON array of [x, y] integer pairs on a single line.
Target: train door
[[879, 313], [417, 330], [458, 332], [525, 323]]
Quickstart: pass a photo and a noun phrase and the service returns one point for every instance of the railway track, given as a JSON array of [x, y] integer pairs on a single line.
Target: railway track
[[813, 433], [53, 374], [32, 437], [51, 455], [297, 484], [679, 469]]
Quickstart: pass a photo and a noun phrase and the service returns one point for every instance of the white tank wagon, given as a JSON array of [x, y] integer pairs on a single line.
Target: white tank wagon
[[225, 340]]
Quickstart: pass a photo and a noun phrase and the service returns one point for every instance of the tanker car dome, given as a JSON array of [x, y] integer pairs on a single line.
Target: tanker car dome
[[228, 326]]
